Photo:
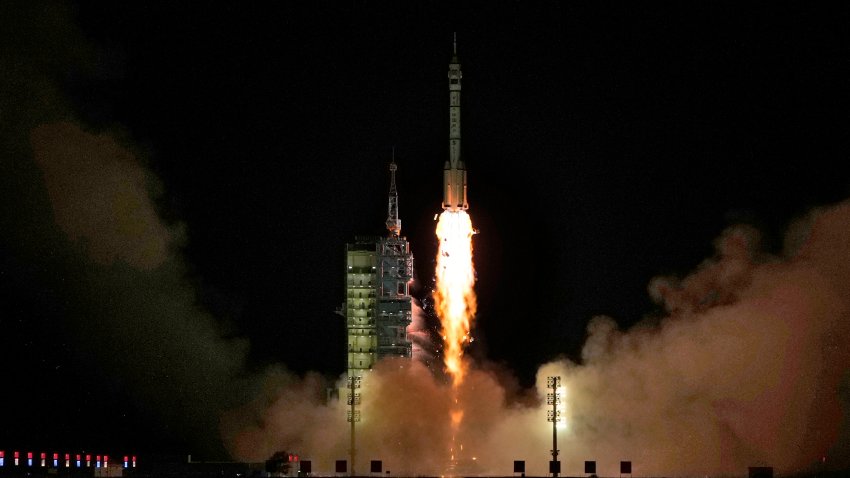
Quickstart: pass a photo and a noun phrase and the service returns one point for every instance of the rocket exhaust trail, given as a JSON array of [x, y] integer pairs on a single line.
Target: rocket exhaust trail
[[455, 297], [455, 302]]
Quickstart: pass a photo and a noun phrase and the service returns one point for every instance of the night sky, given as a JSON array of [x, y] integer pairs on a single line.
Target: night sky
[[604, 147]]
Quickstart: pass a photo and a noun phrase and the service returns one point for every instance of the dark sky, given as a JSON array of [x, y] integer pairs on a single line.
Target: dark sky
[[604, 146]]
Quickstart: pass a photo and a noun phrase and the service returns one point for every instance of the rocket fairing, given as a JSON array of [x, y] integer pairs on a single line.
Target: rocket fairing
[[454, 171]]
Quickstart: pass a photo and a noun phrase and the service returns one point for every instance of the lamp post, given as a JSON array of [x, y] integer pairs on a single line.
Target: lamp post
[[553, 398], [353, 414]]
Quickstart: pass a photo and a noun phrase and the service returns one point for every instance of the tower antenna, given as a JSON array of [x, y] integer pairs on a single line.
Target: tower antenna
[[393, 221]]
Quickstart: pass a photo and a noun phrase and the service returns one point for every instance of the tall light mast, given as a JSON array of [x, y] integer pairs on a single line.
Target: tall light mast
[[454, 171]]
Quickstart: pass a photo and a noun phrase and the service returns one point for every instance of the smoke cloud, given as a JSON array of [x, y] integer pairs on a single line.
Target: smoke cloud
[[136, 311], [80, 219], [99, 193], [749, 367]]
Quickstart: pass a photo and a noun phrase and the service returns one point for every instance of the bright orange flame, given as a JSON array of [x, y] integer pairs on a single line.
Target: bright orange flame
[[454, 296], [457, 417]]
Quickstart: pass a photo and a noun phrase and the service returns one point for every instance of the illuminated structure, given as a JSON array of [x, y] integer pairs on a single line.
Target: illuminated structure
[[377, 308]]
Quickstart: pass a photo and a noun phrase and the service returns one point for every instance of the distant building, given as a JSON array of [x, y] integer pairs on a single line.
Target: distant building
[[378, 306]]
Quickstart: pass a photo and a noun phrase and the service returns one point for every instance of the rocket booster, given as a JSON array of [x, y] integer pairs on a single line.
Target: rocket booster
[[454, 171]]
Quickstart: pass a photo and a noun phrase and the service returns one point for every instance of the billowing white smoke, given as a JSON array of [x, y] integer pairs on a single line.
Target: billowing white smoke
[[749, 368]]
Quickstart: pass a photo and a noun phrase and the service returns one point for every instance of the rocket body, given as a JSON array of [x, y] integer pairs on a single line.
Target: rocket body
[[454, 171]]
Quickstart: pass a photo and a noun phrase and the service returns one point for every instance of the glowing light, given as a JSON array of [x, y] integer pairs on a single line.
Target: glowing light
[[457, 417], [562, 408], [454, 299], [454, 296]]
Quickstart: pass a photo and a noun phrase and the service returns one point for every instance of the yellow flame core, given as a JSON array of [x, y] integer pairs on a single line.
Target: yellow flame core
[[454, 296]]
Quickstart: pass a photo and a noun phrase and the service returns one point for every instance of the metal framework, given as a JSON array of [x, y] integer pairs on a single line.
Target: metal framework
[[353, 414], [553, 398]]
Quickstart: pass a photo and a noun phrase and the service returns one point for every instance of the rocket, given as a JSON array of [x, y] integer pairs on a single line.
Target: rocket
[[454, 171]]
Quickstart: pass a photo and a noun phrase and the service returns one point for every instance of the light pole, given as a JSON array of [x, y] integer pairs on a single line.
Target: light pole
[[353, 414], [554, 415]]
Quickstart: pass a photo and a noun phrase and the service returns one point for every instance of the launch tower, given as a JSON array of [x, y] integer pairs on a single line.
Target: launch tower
[[378, 305]]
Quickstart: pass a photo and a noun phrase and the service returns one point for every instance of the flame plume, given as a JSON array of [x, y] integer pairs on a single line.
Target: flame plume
[[455, 301], [454, 296]]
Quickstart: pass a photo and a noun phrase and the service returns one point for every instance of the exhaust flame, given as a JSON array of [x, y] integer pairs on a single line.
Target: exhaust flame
[[455, 302], [454, 296]]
